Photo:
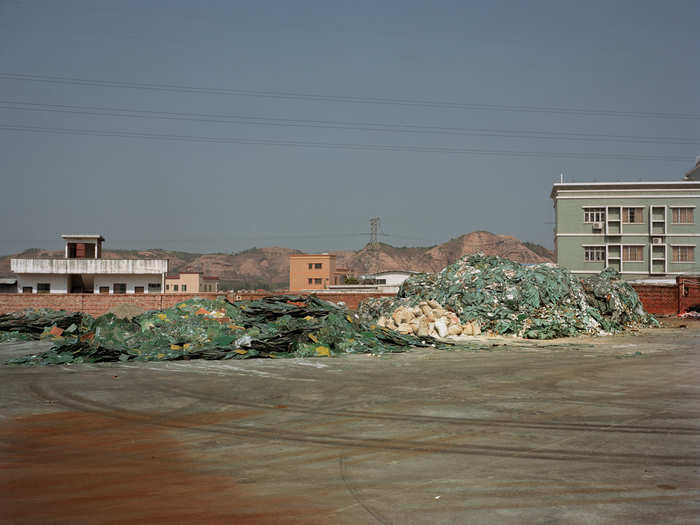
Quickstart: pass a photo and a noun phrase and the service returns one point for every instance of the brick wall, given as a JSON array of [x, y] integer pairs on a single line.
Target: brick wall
[[98, 304], [688, 293], [658, 299], [93, 304]]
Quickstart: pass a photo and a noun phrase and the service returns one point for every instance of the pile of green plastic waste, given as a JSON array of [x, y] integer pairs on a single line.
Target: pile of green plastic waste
[[279, 326], [31, 323], [539, 301]]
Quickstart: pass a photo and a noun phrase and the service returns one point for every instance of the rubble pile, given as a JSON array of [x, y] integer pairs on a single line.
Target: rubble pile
[[539, 301], [275, 326], [428, 318]]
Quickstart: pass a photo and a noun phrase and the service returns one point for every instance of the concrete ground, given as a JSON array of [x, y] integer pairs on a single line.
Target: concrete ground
[[594, 431]]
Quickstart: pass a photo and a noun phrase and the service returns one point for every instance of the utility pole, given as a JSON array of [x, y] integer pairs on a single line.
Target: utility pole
[[375, 224]]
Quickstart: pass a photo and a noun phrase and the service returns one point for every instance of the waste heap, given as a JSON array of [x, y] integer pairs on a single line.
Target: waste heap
[[32, 322], [281, 326], [539, 301]]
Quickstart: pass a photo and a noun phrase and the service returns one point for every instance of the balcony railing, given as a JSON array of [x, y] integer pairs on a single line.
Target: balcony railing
[[90, 266]]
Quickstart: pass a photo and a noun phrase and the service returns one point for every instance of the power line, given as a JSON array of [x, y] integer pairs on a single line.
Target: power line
[[335, 145], [290, 95], [332, 124]]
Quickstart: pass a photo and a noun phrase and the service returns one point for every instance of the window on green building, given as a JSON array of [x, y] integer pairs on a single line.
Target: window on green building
[[632, 215], [633, 253], [594, 253], [591, 215], [682, 216], [683, 254]]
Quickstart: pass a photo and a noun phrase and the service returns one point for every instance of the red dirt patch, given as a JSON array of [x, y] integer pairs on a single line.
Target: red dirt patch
[[73, 467]]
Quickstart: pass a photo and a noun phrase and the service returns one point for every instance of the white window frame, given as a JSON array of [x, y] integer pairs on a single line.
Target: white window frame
[[600, 213], [601, 247], [674, 208], [625, 214], [693, 246], [622, 253]]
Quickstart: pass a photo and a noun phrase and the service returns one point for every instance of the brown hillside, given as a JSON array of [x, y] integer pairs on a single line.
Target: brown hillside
[[487, 243], [269, 267]]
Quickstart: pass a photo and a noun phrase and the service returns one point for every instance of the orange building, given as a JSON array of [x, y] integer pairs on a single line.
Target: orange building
[[190, 282], [314, 272]]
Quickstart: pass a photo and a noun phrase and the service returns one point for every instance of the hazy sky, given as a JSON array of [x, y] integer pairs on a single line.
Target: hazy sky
[[222, 125]]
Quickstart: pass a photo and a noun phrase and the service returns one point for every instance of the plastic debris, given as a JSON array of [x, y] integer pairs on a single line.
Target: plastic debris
[[33, 321], [539, 301], [276, 326]]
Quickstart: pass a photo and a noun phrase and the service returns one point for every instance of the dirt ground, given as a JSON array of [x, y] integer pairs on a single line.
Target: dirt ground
[[583, 431]]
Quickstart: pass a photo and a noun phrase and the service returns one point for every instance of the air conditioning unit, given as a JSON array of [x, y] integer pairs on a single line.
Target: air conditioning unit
[[597, 225], [657, 240]]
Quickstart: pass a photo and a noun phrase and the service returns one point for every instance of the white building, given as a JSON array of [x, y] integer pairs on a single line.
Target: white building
[[380, 282], [83, 270]]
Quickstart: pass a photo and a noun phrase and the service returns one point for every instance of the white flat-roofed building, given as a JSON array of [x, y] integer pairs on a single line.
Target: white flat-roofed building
[[83, 270], [380, 282]]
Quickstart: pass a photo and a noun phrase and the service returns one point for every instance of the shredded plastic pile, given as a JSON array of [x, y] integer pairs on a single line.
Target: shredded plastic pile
[[539, 301], [281, 326], [32, 322]]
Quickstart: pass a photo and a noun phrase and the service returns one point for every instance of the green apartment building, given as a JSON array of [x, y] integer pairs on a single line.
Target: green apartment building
[[644, 230]]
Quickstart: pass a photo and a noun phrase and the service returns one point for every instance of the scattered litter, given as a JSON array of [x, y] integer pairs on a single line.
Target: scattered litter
[[540, 301], [275, 326]]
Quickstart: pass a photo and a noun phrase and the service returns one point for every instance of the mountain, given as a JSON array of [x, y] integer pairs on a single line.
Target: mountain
[[269, 267]]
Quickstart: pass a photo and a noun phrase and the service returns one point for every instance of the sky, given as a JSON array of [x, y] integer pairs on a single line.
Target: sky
[[222, 125]]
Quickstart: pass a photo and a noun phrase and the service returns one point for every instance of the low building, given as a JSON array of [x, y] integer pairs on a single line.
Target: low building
[[83, 270], [8, 285], [641, 229], [308, 272], [387, 281], [195, 282]]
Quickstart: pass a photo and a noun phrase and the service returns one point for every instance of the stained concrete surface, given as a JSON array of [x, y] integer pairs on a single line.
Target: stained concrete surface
[[594, 431]]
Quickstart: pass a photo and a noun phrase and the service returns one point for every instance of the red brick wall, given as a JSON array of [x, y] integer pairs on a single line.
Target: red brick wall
[[688, 293], [658, 299], [98, 304], [93, 304]]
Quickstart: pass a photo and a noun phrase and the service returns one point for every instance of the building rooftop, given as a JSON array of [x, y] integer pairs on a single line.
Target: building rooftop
[[291, 255], [622, 185], [82, 236], [205, 277]]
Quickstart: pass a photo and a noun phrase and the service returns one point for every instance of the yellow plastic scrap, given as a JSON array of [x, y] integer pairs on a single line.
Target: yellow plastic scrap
[[348, 318], [313, 338], [186, 346], [160, 356], [240, 351], [182, 305], [175, 347], [308, 318], [162, 317], [323, 350]]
